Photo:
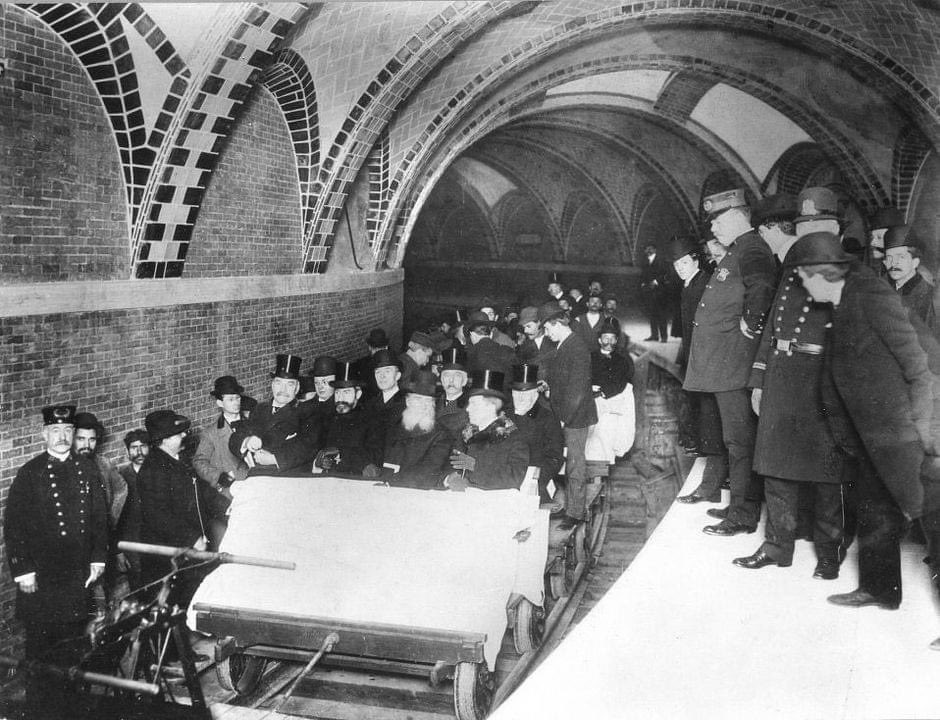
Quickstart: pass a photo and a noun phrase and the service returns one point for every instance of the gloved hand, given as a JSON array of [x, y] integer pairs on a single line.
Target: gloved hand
[[371, 471], [456, 482], [462, 461], [327, 458]]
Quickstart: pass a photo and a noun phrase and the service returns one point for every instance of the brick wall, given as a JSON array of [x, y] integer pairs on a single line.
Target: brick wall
[[62, 204], [122, 364], [251, 221]]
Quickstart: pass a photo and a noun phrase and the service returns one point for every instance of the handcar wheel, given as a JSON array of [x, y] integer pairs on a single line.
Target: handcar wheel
[[240, 673], [473, 691], [527, 627]]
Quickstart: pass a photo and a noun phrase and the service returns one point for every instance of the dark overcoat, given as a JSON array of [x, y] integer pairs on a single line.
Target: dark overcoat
[[288, 434], [794, 441], [742, 286], [569, 380], [544, 437], [359, 437], [56, 525], [611, 372], [501, 455], [452, 414], [688, 303], [917, 296], [422, 457]]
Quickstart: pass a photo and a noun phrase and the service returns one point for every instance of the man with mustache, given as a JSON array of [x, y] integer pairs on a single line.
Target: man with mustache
[[56, 535], [355, 437], [452, 407], [137, 445], [902, 258]]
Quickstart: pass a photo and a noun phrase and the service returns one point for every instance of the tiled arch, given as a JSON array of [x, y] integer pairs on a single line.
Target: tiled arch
[[911, 151], [681, 93], [795, 167], [641, 202], [867, 186]]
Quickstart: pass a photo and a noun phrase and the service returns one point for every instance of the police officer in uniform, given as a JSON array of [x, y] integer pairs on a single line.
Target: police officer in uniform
[[56, 535], [728, 322]]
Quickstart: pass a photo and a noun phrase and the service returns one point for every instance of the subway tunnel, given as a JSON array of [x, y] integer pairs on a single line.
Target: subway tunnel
[[187, 190]]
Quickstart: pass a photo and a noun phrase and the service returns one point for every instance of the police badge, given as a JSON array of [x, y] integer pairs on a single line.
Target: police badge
[[722, 274]]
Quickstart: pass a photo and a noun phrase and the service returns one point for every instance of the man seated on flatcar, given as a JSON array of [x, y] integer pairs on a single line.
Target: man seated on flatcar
[[533, 415], [355, 436], [493, 454]]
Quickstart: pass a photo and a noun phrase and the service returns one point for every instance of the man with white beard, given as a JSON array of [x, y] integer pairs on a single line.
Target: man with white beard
[[416, 450]]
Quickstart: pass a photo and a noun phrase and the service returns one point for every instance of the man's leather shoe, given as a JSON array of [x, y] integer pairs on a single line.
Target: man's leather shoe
[[935, 645], [649, 339], [758, 560], [826, 569], [720, 513], [726, 528], [860, 598], [693, 498]]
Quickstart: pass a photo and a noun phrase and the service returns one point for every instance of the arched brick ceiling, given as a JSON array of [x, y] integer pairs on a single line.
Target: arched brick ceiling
[[682, 93]]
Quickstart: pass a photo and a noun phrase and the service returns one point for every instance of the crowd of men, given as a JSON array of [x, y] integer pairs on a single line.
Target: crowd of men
[[812, 374], [469, 403]]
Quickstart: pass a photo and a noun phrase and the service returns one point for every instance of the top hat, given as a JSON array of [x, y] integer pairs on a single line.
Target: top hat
[[421, 338], [226, 385], [714, 205], [383, 358], [681, 246], [346, 376], [528, 314], [899, 236], [550, 311], [162, 424], [87, 421], [488, 383], [817, 203], [58, 415], [525, 377], [455, 358], [377, 338], [780, 206], [817, 248], [287, 366], [886, 217], [554, 277], [476, 319], [609, 325], [323, 366], [423, 383]]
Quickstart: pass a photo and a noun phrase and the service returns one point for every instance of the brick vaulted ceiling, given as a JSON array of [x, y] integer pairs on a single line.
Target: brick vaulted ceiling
[[408, 87]]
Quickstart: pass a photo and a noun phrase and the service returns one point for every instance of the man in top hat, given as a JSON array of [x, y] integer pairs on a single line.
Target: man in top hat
[[537, 348], [355, 437], [555, 289], [885, 425], [417, 450], [363, 367], [654, 278], [572, 399], [902, 258], [883, 219], [728, 322], [278, 438], [533, 415], [176, 507], [321, 407], [214, 461], [701, 431], [484, 353], [795, 450], [452, 405], [817, 210], [493, 454], [56, 535]]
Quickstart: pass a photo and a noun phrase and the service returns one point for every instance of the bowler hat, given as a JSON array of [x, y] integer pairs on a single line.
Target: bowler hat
[[528, 314], [423, 383], [780, 206], [346, 376], [817, 248], [226, 385], [488, 383], [477, 319], [162, 424], [682, 246], [383, 358], [287, 366], [377, 338], [714, 205], [87, 421], [58, 415], [886, 217], [550, 311], [817, 203], [898, 236], [323, 366], [525, 377], [455, 358]]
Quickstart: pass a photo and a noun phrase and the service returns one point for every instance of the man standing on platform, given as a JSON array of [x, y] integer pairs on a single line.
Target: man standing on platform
[[883, 220], [654, 278], [572, 400], [730, 317], [902, 258], [56, 535]]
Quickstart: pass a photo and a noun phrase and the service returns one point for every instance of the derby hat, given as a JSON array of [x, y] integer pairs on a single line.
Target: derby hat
[[478, 319], [525, 377], [377, 338], [383, 358], [423, 383], [714, 205], [87, 421], [681, 246], [58, 415], [287, 366], [454, 358], [817, 248], [346, 376], [550, 311], [528, 314], [323, 366], [817, 203], [489, 383], [780, 206], [886, 217], [900, 236], [162, 424], [226, 385]]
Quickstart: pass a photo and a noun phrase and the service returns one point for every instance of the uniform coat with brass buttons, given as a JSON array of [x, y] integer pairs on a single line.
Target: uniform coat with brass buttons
[[56, 525]]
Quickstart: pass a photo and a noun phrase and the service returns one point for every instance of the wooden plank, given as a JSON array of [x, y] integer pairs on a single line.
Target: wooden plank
[[221, 711], [338, 710]]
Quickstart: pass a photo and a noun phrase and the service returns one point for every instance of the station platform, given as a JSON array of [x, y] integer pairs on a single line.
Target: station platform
[[685, 634]]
